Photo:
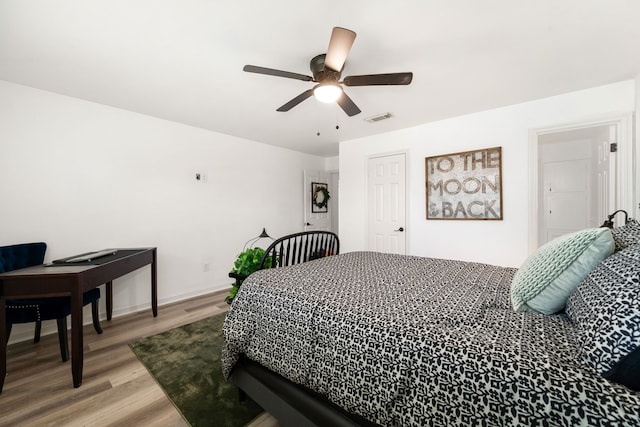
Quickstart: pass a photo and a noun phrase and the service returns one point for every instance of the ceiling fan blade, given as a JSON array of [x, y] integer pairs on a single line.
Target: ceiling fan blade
[[379, 79], [297, 100], [339, 47], [277, 73], [347, 105]]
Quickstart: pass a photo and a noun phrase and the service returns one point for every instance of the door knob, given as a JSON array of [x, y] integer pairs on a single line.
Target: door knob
[[399, 229], [308, 224]]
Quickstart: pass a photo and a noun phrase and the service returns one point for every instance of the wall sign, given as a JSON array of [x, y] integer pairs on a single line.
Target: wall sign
[[466, 185]]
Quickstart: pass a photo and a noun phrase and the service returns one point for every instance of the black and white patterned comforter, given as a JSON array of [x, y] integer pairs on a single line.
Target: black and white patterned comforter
[[411, 341]]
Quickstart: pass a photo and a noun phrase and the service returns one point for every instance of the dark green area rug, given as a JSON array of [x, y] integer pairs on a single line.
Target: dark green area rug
[[186, 363]]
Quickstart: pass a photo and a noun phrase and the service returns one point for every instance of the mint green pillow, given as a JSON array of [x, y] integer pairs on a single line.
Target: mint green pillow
[[549, 275]]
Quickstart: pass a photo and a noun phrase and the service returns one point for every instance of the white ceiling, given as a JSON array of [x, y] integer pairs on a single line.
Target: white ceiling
[[182, 60]]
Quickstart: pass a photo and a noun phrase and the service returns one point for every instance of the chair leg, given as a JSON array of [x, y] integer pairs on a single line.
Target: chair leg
[[96, 317], [62, 337], [8, 330], [36, 333]]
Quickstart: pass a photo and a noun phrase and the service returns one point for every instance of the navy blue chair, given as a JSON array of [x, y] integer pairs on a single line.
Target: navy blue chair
[[36, 310]]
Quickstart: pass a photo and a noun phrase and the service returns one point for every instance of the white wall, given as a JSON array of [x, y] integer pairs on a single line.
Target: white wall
[[497, 242], [332, 166], [637, 146], [83, 176]]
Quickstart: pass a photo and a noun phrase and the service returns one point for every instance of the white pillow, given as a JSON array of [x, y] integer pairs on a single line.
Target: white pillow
[[549, 275]]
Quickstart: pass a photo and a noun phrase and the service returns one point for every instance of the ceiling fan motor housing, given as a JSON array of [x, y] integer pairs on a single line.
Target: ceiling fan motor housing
[[320, 73]]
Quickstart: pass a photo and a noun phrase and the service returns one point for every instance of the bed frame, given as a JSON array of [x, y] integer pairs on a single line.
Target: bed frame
[[291, 403]]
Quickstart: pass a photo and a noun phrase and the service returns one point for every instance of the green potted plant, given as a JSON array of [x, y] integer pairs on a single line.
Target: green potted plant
[[246, 263]]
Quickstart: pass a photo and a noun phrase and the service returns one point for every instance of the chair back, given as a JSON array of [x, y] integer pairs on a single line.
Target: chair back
[[23, 255], [300, 247]]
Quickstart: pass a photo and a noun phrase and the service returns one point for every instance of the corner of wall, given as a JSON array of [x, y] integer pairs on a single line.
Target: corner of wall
[[331, 164]]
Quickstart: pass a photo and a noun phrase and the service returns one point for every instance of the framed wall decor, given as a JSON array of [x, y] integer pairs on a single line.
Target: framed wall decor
[[319, 197], [465, 185]]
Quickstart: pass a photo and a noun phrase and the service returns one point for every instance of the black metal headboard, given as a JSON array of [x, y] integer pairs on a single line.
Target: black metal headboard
[[300, 247]]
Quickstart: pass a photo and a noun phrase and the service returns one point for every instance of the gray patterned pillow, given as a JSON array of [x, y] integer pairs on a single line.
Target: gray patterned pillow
[[627, 235], [606, 310]]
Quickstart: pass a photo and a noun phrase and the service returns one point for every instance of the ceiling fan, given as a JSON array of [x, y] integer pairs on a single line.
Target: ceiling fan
[[327, 68]]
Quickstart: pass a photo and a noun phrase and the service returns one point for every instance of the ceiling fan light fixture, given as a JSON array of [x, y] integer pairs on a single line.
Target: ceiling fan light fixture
[[327, 92]]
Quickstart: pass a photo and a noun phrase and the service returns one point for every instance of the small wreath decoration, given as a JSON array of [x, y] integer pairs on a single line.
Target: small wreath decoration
[[324, 199]]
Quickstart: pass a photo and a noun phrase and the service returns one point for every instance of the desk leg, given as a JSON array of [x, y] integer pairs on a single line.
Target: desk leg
[[76, 334], [3, 343], [109, 291], [154, 284]]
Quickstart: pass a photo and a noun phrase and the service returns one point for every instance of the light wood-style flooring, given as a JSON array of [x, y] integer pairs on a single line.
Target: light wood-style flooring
[[116, 388]]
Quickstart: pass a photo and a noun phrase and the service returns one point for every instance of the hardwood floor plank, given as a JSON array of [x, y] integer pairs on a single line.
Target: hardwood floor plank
[[116, 388], [156, 414], [109, 405]]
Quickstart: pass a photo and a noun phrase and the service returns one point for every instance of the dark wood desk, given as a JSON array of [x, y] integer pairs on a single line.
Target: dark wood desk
[[72, 280]]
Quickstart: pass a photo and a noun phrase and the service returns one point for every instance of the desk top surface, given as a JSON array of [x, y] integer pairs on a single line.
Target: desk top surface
[[112, 255], [61, 267]]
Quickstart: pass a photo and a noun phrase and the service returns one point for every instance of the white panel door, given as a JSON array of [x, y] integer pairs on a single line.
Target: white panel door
[[567, 197], [386, 204], [321, 218], [577, 178]]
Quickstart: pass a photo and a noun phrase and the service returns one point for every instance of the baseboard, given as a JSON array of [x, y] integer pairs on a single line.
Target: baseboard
[[24, 331]]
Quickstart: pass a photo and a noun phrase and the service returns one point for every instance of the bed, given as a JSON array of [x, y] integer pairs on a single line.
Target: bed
[[367, 338]]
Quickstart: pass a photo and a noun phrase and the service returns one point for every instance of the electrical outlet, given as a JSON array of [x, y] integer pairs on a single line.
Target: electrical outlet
[[205, 267]]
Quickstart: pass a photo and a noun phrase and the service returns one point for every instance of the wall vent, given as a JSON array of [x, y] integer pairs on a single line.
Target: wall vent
[[378, 117]]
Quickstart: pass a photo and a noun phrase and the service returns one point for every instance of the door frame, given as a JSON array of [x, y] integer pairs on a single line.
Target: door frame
[[624, 194], [407, 184]]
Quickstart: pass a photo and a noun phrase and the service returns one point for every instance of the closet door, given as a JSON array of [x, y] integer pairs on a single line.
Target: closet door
[[386, 202]]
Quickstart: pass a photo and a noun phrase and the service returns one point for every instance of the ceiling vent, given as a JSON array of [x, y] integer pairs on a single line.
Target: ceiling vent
[[378, 117]]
